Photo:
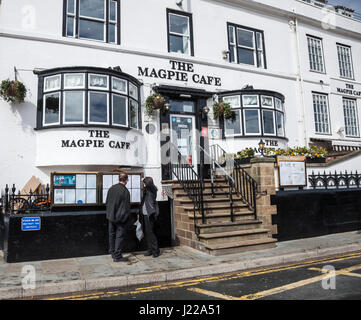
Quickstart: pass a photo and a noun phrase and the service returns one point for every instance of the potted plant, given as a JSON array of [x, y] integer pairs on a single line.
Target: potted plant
[[244, 156], [12, 91], [223, 109], [154, 102]]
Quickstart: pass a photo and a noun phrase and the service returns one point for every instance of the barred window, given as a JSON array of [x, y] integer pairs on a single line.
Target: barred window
[[320, 110], [350, 116], [345, 61], [315, 53]]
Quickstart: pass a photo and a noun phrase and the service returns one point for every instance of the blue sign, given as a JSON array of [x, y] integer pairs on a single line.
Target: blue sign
[[30, 224]]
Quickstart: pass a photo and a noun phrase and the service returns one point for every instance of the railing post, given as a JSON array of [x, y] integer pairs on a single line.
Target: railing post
[[231, 198]]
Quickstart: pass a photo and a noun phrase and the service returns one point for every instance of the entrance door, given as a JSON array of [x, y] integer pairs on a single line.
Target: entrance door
[[183, 136]]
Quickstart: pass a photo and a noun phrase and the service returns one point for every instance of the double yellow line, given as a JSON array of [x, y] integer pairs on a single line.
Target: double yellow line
[[243, 274]]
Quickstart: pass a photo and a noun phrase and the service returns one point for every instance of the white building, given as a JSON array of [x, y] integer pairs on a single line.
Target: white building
[[289, 69]]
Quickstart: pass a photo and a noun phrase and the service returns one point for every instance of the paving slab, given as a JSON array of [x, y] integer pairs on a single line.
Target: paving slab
[[174, 264]]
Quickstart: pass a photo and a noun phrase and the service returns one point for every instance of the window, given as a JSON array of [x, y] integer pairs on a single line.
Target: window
[[246, 46], [320, 110], [88, 19], [51, 109], [256, 114], [82, 96], [180, 32], [345, 61], [350, 117], [315, 53]]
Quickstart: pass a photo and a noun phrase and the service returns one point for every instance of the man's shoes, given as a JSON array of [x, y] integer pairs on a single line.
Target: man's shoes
[[148, 253], [156, 254], [122, 259]]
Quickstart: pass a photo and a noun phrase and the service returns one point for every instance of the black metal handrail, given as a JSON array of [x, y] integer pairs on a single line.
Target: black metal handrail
[[16, 203], [189, 180], [244, 184], [216, 167], [335, 180]]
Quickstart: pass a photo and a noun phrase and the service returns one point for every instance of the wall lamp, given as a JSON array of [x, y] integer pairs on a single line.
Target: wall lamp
[[167, 107]]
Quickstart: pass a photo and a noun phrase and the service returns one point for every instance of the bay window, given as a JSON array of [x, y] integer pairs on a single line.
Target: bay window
[[257, 113], [88, 96]]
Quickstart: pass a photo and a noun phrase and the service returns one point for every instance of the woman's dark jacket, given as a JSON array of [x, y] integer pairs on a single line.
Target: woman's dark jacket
[[149, 199], [118, 204]]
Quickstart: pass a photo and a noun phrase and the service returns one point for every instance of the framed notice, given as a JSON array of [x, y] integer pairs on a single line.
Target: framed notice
[[292, 171]]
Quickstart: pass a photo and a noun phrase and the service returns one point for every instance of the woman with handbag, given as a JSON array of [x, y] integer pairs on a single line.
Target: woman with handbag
[[150, 211]]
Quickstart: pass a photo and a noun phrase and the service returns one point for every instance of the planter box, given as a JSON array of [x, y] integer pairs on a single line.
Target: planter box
[[315, 160], [242, 160]]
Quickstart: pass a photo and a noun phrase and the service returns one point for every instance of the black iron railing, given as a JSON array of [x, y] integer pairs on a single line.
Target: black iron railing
[[15, 203], [216, 170], [192, 184], [244, 185], [334, 180]]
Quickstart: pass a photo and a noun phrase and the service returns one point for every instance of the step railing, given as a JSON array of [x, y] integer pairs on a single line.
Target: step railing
[[218, 170], [244, 184], [192, 184]]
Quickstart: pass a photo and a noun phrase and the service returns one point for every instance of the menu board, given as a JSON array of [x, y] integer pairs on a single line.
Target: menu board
[[133, 185], [71, 189], [292, 171]]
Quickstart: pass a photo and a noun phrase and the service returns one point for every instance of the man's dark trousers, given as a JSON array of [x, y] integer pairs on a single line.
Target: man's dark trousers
[[116, 239]]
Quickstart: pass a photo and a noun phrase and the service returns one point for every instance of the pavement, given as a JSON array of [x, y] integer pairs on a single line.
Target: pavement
[[176, 263]]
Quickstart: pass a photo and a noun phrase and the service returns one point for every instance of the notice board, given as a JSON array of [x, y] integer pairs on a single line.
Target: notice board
[[292, 171]]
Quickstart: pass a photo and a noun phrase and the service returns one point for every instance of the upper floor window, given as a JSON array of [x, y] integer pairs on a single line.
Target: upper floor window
[[180, 34], [258, 113], [246, 46], [88, 96], [315, 53], [92, 19], [345, 61]]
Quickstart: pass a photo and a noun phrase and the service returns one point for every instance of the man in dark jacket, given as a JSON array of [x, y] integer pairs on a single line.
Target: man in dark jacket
[[118, 212]]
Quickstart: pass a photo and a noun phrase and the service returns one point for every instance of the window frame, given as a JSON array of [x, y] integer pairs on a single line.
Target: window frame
[[126, 110], [43, 110], [328, 113], [255, 50], [356, 117], [338, 46], [190, 23], [322, 55], [64, 92], [235, 109], [106, 21], [108, 106]]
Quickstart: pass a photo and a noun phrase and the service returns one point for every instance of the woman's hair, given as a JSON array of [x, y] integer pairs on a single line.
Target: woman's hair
[[149, 185]]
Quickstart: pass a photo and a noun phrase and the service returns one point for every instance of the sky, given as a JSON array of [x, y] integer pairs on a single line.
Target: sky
[[353, 4]]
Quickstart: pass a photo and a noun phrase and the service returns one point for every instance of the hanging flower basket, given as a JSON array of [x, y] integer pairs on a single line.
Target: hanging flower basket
[[223, 109], [12, 91], [154, 102]]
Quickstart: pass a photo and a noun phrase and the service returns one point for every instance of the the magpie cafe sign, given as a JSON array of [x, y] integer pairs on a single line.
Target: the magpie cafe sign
[[350, 90], [179, 71], [97, 139]]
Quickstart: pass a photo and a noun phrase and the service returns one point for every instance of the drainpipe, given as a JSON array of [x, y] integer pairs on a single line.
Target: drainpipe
[[300, 80]]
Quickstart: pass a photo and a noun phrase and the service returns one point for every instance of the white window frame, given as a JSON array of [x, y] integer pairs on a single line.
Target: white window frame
[[121, 80], [274, 122], [344, 52], [44, 101], [127, 106], [250, 105], [98, 88], [321, 114], [280, 103], [315, 54], [351, 103], [95, 122], [130, 84], [268, 107], [52, 89], [64, 108], [113, 22], [238, 105], [74, 87], [188, 36], [283, 123], [104, 20], [240, 125], [259, 122], [70, 15]]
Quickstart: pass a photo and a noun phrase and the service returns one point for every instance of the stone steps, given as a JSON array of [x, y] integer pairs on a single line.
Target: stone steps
[[245, 224], [220, 217], [240, 246]]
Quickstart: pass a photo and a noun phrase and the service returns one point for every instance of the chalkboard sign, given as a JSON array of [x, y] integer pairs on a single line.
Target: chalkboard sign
[[292, 171]]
